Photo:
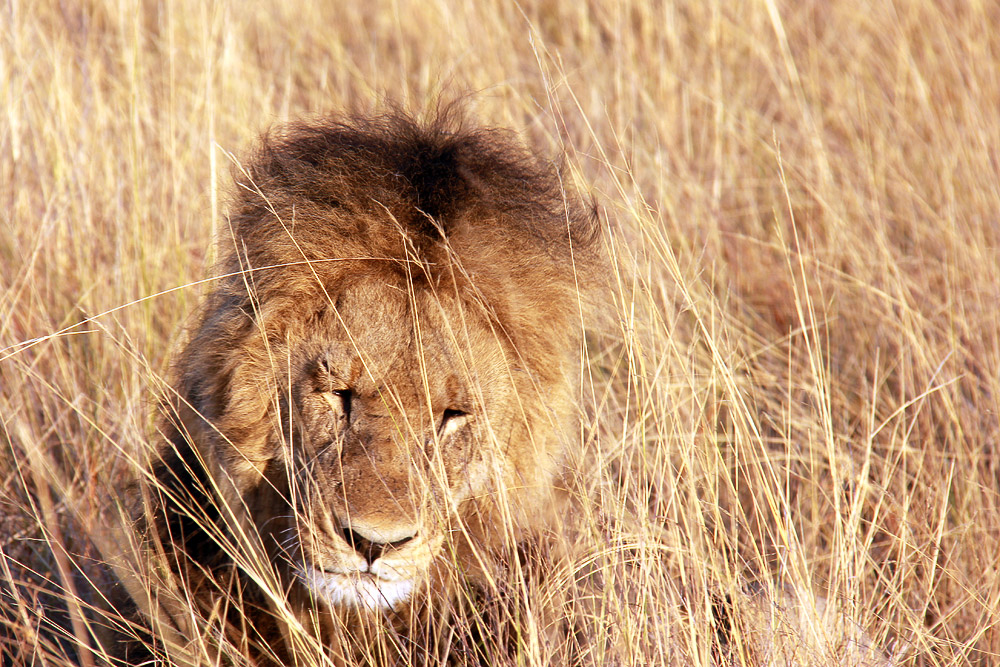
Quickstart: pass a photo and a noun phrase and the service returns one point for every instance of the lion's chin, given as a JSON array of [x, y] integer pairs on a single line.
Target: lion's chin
[[360, 590]]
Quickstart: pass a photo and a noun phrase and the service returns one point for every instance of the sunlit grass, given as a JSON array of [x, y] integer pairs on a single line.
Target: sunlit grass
[[794, 391]]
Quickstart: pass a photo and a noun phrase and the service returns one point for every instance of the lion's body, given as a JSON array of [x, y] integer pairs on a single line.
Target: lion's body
[[378, 395]]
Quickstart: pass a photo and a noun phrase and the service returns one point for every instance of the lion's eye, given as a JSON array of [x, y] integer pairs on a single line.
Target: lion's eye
[[345, 396], [339, 400], [451, 421]]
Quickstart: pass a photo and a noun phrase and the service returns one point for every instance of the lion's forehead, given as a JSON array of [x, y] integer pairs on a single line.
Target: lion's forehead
[[376, 334], [371, 363]]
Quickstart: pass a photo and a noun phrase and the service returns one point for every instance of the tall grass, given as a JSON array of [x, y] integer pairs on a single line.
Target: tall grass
[[801, 394]]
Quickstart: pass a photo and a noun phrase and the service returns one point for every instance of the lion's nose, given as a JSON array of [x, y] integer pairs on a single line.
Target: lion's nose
[[370, 549]]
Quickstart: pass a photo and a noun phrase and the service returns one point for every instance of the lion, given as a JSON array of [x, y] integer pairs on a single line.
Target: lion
[[377, 398]]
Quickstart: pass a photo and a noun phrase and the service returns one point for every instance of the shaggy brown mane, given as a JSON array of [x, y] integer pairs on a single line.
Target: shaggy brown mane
[[377, 176]]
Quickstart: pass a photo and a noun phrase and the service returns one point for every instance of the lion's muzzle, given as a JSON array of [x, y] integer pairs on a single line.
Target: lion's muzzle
[[366, 567]]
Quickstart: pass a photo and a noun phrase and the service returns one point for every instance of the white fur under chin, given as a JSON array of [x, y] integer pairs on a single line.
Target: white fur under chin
[[361, 590]]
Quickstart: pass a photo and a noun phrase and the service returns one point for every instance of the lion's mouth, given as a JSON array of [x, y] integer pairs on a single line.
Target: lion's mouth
[[362, 590], [359, 573]]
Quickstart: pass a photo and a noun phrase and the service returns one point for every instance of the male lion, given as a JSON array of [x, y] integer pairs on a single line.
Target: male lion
[[373, 409]]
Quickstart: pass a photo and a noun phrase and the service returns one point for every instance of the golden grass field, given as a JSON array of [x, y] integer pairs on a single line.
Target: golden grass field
[[802, 386]]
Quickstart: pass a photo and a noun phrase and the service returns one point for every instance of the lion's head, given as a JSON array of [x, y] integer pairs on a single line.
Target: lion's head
[[383, 381]]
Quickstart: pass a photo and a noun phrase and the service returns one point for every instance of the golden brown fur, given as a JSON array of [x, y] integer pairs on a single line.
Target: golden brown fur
[[378, 394]]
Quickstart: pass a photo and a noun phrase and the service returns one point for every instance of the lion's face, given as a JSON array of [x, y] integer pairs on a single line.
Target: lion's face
[[401, 416]]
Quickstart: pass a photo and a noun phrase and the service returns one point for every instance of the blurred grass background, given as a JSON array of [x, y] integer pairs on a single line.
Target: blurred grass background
[[804, 200]]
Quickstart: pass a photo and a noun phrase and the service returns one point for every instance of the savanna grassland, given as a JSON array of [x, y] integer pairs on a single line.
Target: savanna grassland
[[793, 403]]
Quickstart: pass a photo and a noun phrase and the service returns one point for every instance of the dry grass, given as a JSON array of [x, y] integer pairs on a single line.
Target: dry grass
[[803, 388]]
